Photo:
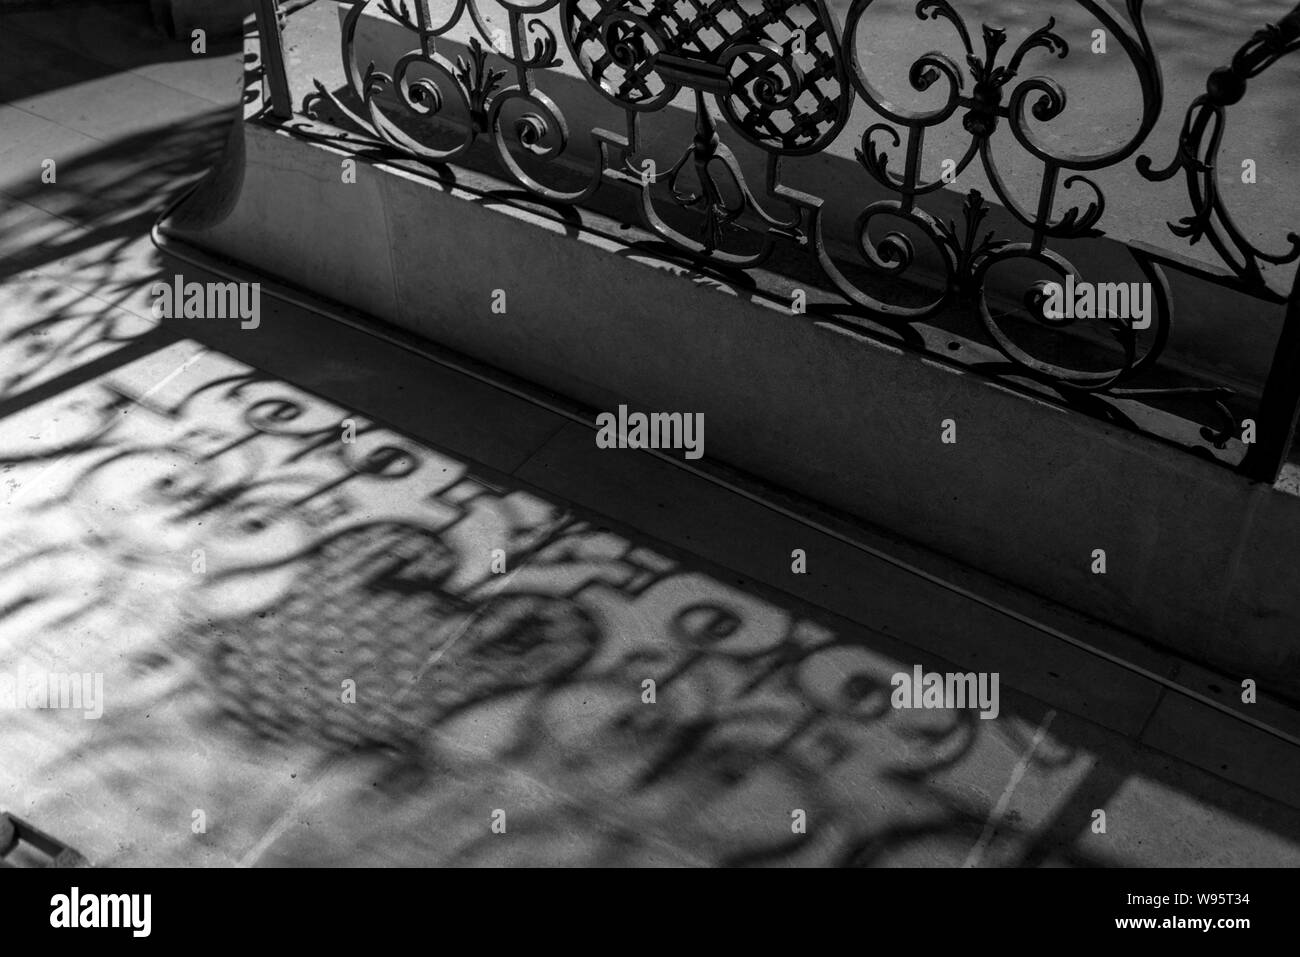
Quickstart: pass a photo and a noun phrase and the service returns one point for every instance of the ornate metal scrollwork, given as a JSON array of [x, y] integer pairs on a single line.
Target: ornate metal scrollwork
[[776, 76], [1199, 143], [988, 93], [1198, 152], [783, 78], [776, 73], [424, 84]]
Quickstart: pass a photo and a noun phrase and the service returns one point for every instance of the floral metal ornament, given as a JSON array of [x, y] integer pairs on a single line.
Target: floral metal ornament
[[1199, 143], [774, 73], [780, 76], [988, 92], [1198, 152]]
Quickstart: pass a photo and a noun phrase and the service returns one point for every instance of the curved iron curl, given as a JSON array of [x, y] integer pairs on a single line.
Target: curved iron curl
[[1049, 103], [478, 100], [876, 162], [924, 73], [626, 50], [524, 21], [1199, 143], [780, 85], [798, 203], [531, 131], [747, 201], [893, 255], [1073, 223], [1137, 46], [544, 47], [724, 213], [420, 97], [1123, 330]]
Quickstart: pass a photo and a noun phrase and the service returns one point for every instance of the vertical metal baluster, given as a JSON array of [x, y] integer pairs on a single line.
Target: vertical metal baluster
[[1279, 407], [272, 44], [423, 20]]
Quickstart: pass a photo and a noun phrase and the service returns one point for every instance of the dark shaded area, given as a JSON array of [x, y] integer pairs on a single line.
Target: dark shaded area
[[47, 48]]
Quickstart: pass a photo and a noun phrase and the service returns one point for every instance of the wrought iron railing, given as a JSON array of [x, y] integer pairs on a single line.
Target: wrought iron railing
[[785, 79]]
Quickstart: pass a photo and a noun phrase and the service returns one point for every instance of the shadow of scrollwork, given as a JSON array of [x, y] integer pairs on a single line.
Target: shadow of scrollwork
[[421, 642]]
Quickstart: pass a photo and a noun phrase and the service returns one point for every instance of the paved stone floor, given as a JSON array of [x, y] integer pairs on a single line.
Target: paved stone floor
[[180, 514]]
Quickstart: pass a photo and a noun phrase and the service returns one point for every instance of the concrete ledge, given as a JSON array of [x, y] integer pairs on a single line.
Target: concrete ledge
[[1198, 559]]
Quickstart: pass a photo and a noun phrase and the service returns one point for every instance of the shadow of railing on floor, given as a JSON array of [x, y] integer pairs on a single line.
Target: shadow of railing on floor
[[256, 566]]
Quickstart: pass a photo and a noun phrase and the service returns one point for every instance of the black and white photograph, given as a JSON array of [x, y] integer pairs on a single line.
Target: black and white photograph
[[641, 434]]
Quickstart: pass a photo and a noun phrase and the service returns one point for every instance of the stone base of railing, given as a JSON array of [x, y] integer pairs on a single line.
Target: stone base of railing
[[1198, 559]]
